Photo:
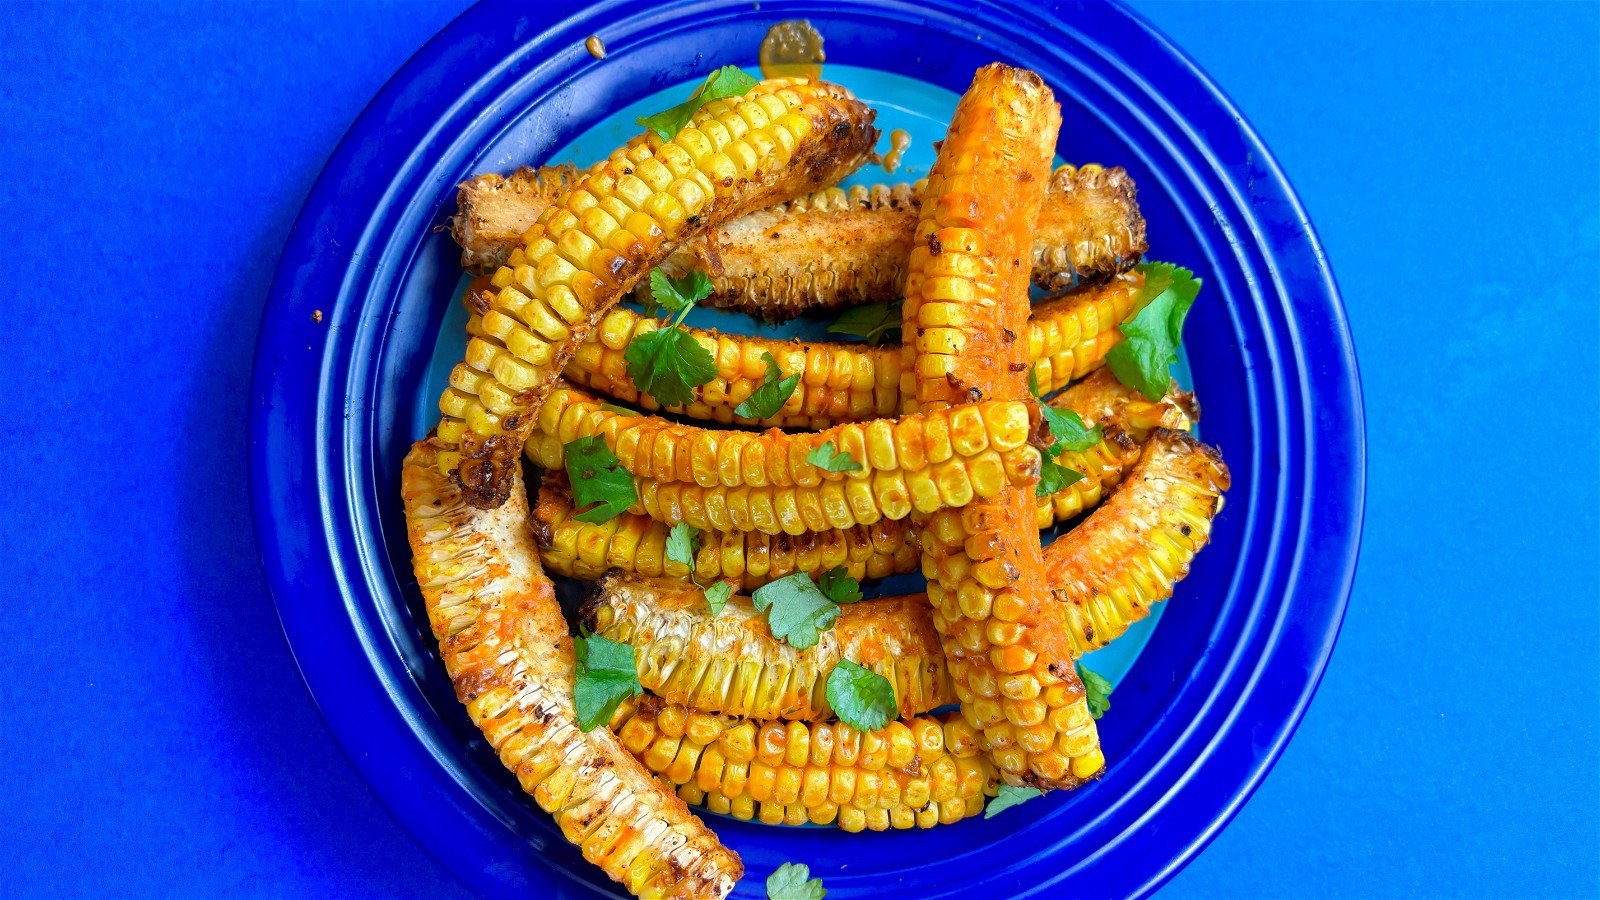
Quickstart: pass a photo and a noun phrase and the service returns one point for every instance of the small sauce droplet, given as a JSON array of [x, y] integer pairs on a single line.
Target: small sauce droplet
[[899, 141], [792, 49], [595, 47], [316, 316]]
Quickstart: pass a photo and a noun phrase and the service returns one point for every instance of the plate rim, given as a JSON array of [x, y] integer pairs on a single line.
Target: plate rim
[[287, 538]]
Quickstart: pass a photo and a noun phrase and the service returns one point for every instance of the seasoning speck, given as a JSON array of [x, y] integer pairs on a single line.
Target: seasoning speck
[[595, 47], [316, 315]]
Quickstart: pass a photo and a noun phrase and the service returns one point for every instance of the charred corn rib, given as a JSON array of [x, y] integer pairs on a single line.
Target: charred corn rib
[[607, 230], [848, 818], [765, 482], [506, 647], [750, 559], [831, 248], [731, 664], [1008, 651], [1126, 557], [825, 768], [1067, 338]]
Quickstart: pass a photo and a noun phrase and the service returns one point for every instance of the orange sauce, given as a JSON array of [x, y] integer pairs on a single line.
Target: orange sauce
[[899, 141], [595, 47], [791, 49]]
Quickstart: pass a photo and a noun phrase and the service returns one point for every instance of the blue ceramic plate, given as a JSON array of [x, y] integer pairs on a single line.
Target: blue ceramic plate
[[1199, 715]]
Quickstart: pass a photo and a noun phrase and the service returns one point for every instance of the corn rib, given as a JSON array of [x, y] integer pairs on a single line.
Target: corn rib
[[506, 647], [832, 248], [607, 230], [730, 663], [830, 770]]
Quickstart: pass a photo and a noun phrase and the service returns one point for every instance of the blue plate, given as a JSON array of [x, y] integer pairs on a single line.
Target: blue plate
[[1198, 719]]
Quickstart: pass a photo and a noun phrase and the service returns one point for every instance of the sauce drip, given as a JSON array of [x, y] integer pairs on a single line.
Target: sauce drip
[[595, 47], [899, 140], [792, 48]]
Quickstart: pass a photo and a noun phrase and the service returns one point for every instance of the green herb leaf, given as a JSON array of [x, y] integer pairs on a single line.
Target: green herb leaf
[[668, 364], [860, 697], [1033, 379], [728, 81], [619, 410], [717, 597], [793, 881], [872, 322], [797, 611], [770, 396], [1153, 335], [838, 586], [1098, 690], [678, 294], [681, 542], [1054, 477], [829, 460], [606, 677], [1010, 796], [1067, 431], [601, 487]]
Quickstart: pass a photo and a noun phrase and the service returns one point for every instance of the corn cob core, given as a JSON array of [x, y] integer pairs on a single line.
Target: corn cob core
[[765, 482], [1007, 649], [1127, 556], [831, 248], [749, 559], [605, 232], [916, 764], [730, 663], [505, 644], [1067, 338]]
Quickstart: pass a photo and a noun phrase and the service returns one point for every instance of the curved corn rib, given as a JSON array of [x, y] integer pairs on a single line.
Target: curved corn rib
[[835, 247], [1067, 338], [1008, 651], [764, 482], [730, 663], [1126, 557], [607, 229], [824, 768], [848, 818], [637, 543], [506, 647]]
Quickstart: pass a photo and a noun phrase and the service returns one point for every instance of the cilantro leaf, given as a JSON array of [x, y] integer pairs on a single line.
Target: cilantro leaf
[[839, 587], [797, 612], [601, 487], [619, 410], [1009, 797], [773, 392], [860, 697], [680, 544], [606, 677], [1054, 477], [668, 364], [1098, 690], [728, 81], [871, 322], [1033, 379], [1155, 332], [1067, 431], [793, 881], [828, 459], [678, 294], [717, 597]]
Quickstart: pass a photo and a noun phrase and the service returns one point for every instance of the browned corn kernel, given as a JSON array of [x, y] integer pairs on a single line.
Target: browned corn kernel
[[636, 543], [834, 782], [607, 230], [729, 663], [1009, 656], [831, 248]]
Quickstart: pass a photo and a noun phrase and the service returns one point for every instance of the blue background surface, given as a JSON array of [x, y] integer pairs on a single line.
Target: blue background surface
[[156, 737]]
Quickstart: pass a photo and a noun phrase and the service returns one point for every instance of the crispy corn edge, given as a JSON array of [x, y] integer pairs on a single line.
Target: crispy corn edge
[[604, 233], [505, 644]]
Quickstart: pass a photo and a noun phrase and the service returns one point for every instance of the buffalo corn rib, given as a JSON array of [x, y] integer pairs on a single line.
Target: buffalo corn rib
[[748, 559], [705, 662], [607, 229], [506, 647], [897, 774], [766, 482], [1067, 338], [835, 247], [1105, 575], [1008, 651]]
